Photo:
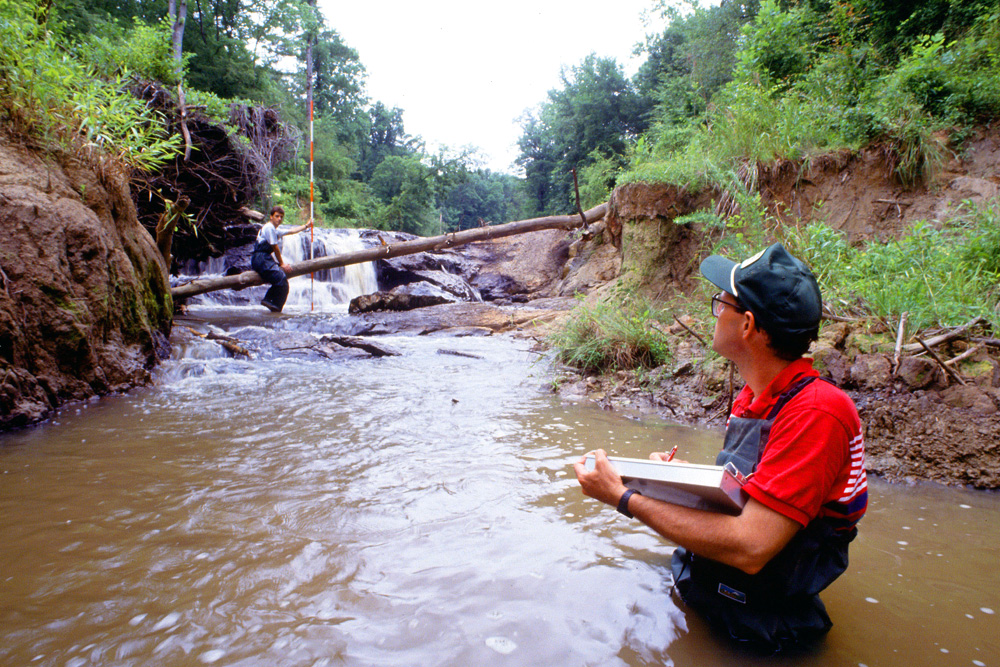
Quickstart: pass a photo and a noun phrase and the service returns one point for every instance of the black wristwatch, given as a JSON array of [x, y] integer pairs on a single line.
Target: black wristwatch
[[623, 502]]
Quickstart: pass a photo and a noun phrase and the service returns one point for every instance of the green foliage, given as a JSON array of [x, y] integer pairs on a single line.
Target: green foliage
[[590, 118], [142, 50], [612, 336], [45, 92], [403, 186], [952, 80], [940, 276], [597, 179], [808, 79], [779, 46], [214, 107], [113, 123]]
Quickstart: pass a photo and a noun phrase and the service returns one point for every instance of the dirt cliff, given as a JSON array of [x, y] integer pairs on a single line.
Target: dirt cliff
[[85, 307]]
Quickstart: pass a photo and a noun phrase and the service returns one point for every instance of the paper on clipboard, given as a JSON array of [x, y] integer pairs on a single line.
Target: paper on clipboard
[[706, 487]]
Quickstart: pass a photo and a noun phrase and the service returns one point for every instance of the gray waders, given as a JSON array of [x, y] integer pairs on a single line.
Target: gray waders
[[263, 263]]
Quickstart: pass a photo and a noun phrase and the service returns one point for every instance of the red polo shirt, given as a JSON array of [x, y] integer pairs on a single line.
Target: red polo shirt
[[814, 460]]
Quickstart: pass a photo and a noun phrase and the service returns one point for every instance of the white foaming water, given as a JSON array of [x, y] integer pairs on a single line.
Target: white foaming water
[[329, 290]]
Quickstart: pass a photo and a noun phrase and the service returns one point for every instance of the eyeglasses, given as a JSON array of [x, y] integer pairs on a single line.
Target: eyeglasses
[[718, 305]]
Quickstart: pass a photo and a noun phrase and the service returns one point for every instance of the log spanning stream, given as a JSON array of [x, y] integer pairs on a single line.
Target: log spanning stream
[[410, 510]]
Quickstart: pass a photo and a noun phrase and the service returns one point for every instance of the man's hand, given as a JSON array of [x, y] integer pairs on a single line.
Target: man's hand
[[665, 457], [286, 267], [603, 482]]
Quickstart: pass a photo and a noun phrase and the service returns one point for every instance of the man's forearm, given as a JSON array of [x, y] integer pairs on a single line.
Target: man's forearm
[[746, 542]]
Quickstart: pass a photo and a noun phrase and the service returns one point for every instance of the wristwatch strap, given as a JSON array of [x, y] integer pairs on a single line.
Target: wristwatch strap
[[623, 502]]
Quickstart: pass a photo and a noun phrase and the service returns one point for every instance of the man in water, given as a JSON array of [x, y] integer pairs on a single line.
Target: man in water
[[273, 272], [796, 437]]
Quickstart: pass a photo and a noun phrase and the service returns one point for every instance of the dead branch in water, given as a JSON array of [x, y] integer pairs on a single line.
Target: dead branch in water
[[450, 240], [230, 344]]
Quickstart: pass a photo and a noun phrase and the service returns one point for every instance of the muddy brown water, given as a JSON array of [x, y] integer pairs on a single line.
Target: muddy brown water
[[413, 510]]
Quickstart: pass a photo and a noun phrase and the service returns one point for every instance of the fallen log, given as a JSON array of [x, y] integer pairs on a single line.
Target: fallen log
[[372, 348], [450, 240]]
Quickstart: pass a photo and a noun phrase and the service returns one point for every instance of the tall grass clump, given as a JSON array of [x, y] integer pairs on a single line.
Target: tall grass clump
[[612, 336]]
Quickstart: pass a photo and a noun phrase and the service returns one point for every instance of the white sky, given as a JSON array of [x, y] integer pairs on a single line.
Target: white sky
[[464, 71]]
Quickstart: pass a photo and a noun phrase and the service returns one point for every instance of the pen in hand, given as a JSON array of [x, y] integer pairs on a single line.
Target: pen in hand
[[673, 450]]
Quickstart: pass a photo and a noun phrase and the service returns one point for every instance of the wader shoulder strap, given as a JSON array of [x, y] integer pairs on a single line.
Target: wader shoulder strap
[[791, 392]]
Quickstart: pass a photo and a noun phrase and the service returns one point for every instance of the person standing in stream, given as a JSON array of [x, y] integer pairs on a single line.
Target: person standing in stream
[[266, 250], [795, 437]]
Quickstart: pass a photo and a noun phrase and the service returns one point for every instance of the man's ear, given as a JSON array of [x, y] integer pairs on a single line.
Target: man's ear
[[750, 328]]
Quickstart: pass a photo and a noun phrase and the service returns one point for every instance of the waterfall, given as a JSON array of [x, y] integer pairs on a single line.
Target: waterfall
[[330, 290]]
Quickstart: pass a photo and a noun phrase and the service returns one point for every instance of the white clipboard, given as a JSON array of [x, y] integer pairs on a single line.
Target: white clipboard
[[705, 487]]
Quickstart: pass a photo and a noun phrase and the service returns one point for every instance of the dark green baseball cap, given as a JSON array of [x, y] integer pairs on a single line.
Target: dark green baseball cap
[[777, 288]]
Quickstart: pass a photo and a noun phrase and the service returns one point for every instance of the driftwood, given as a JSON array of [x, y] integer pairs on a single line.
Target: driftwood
[[371, 348], [947, 369], [899, 339], [989, 342], [957, 332], [827, 315], [691, 331], [456, 353], [230, 344], [965, 355], [252, 214], [450, 240]]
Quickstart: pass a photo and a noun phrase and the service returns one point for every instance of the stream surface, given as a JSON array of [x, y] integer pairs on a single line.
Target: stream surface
[[414, 510]]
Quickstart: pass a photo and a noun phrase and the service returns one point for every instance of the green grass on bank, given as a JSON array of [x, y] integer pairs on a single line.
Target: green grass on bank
[[940, 276], [606, 337]]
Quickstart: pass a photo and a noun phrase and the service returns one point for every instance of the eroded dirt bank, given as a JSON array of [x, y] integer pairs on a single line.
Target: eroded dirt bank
[[84, 303]]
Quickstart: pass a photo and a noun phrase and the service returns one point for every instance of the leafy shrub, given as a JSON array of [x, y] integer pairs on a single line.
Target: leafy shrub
[[596, 179], [940, 276], [50, 95], [778, 46], [142, 50]]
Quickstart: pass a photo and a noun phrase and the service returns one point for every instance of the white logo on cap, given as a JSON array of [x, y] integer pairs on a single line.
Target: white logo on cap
[[742, 265], [747, 262]]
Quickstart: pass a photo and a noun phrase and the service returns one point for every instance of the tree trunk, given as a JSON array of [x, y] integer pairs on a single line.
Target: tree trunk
[[166, 226], [451, 240], [177, 11]]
